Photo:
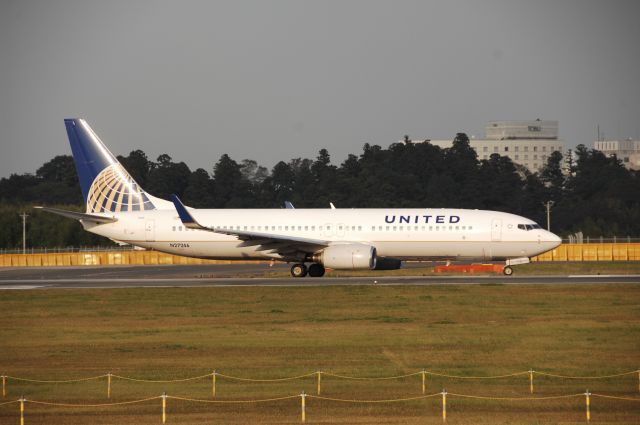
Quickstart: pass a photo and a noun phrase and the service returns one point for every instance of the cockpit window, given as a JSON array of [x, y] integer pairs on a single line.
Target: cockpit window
[[528, 227]]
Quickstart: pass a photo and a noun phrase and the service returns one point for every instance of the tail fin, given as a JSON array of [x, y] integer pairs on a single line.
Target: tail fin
[[106, 185]]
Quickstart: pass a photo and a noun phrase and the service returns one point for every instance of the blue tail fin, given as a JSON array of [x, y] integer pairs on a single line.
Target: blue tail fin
[[106, 185]]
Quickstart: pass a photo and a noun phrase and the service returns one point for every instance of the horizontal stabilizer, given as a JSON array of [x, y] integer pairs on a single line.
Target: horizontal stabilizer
[[79, 216]]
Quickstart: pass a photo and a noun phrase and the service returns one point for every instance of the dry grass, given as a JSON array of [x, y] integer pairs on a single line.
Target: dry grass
[[268, 332]]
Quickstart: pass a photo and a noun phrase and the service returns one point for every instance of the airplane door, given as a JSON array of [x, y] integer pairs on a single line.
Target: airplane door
[[150, 230], [496, 229]]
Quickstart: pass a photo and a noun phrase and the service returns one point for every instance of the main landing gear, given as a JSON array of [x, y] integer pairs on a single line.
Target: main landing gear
[[314, 270], [508, 271]]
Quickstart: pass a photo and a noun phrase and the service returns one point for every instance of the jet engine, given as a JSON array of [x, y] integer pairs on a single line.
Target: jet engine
[[347, 256]]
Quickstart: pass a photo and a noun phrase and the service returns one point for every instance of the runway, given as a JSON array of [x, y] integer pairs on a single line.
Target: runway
[[250, 275]]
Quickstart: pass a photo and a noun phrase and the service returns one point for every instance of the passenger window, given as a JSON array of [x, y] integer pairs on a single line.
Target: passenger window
[[353, 228], [387, 228], [173, 228], [180, 228], [457, 228], [415, 228], [306, 228], [300, 228], [470, 227], [373, 228], [313, 228], [400, 228], [395, 228], [380, 228], [431, 228]]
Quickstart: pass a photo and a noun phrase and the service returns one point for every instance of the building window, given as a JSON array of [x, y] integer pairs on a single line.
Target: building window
[[517, 148], [526, 157], [544, 149], [506, 148], [535, 149], [485, 149], [495, 149], [535, 156], [517, 157], [526, 148]]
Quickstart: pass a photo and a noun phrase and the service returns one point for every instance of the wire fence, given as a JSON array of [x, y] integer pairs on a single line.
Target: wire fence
[[215, 376], [303, 401], [71, 249]]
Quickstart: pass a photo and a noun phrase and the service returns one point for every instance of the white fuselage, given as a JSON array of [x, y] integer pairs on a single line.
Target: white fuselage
[[406, 234]]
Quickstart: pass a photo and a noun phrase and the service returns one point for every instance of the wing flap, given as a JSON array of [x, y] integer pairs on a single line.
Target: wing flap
[[282, 244]]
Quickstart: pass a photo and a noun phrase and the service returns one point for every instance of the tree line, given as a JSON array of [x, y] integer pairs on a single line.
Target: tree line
[[590, 192]]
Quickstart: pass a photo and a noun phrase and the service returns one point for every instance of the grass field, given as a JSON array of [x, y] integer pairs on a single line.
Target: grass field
[[270, 332]]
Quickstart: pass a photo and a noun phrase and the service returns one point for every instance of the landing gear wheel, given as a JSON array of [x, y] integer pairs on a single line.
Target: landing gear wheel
[[316, 270], [298, 270], [508, 271]]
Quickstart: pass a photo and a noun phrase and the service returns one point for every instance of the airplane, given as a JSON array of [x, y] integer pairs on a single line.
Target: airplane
[[350, 239]]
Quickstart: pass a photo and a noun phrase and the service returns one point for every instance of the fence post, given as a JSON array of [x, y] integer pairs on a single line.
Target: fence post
[[531, 381], [303, 412], [109, 385], [587, 394], [319, 380], [4, 384], [424, 382], [164, 407], [444, 405], [638, 382], [213, 384], [22, 400]]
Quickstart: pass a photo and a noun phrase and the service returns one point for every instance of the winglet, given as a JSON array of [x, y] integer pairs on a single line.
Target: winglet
[[288, 205], [186, 217]]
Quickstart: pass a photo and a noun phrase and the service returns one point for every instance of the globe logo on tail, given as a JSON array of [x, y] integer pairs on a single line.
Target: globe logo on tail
[[114, 190]]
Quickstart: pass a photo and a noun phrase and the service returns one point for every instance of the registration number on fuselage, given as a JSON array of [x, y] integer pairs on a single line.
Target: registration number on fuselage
[[179, 245]]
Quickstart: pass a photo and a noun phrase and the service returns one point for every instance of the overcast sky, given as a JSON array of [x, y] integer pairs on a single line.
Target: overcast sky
[[274, 80]]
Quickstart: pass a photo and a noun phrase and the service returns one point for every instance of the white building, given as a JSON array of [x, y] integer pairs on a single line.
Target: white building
[[528, 143], [627, 151]]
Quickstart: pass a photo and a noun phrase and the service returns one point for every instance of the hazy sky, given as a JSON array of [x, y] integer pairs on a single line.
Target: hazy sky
[[272, 80]]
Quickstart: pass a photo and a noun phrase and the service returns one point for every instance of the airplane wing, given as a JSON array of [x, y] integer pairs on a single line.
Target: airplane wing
[[79, 216], [286, 246]]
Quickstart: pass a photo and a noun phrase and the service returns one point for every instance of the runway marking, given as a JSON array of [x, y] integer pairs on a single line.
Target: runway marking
[[603, 275], [21, 287]]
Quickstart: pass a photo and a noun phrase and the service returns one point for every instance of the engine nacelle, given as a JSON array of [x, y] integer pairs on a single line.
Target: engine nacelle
[[347, 256], [387, 263]]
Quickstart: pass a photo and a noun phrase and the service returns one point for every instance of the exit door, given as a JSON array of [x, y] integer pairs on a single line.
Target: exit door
[[150, 230], [496, 229]]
